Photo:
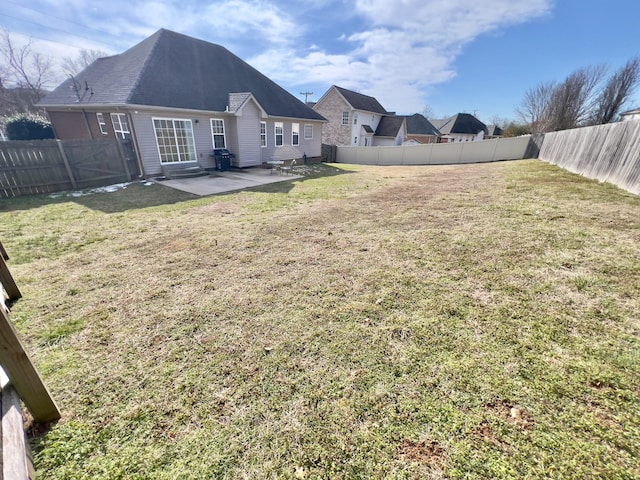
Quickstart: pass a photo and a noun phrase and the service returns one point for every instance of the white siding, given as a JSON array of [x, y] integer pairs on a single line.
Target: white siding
[[148, 147], [249, 151], [242, 135], [311, 147], [146, 142]]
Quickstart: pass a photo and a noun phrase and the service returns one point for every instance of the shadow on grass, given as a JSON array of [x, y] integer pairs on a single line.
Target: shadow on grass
[[138, 195], [135, 195]]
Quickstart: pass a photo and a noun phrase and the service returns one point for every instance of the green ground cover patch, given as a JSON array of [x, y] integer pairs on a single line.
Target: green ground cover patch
[[476, 321]]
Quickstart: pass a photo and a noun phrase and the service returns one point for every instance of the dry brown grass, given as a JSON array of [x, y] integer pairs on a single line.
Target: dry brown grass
[[464, 321]]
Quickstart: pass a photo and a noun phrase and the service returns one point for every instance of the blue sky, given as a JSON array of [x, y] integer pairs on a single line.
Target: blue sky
[[477, 56]]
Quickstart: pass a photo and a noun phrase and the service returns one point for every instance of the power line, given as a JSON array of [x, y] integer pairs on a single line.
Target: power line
[[306, 95], [53, 28]]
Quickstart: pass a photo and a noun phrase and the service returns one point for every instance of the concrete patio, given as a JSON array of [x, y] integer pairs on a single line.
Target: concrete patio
[[227, 181]]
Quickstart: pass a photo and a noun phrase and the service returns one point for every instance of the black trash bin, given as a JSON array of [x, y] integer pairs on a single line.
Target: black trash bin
[[222, 158]]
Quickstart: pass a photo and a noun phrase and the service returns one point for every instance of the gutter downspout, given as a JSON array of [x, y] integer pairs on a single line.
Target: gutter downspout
[[136, 146], [86, 122]]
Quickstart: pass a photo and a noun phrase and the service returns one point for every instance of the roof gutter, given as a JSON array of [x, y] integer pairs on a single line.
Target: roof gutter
[[154, 108]]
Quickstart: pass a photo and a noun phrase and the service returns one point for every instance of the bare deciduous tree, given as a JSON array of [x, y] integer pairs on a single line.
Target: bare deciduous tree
[[535, 106], [581, 99], [23, 67], [25, 74], [616, 92], [427, 112], [73, 66], [573, 99]]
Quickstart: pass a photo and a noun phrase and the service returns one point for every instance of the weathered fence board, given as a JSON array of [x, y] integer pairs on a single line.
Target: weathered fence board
[[16, 458], [23, 375], [7, 282], [47, 166], [608, 153]]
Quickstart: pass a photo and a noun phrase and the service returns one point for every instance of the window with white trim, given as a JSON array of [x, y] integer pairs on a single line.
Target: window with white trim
[[175, 140], [120, 125], [101, 123], [308, 131], [263, 134], [355, 118], [345, 118], [217, 132], [279, 134], [295, 134]]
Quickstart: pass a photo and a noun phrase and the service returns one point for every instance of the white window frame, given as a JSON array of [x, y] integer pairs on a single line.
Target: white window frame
[[345, 118], [308, 127], [120, 125], [263, 134], [102, 124], [216, 131], [295, 134], [278, 126], [173, 141], [355, 118]]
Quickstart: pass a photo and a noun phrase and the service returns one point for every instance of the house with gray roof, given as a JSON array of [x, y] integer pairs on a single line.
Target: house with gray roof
[[352, 117], [420, 130], [392, 130], [462, 127], [176, 98]]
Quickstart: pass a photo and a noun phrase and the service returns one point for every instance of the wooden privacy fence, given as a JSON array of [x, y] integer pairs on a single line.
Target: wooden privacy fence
[[608, 153], [19, 380], [47, 166]]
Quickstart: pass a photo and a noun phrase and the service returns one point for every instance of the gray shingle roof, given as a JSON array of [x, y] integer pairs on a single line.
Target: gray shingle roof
[[418, 125], [358, 101], [494, 130], [389, 126], [460, 123], [169, 69]]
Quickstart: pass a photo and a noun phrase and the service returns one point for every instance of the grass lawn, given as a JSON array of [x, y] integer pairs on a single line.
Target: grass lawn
[[478, 321]]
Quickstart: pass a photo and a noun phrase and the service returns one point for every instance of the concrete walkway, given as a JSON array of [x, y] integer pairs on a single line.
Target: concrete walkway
[[220, 182]]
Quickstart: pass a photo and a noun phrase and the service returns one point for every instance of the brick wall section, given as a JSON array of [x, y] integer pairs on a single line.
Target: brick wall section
[[331, 108]]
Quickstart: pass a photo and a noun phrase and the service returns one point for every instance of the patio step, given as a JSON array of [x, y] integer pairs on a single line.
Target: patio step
[[184, 172]]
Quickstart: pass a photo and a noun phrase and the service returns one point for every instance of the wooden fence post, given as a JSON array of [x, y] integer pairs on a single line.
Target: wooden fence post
[[23, 375], [3, 252], [66, 164], [7, 281]]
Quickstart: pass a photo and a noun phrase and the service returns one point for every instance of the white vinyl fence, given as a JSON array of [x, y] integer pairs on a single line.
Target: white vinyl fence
[[438, 153], [608, 153]]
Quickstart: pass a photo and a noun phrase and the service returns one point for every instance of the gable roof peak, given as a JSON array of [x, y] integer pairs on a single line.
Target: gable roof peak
[[360, 101]]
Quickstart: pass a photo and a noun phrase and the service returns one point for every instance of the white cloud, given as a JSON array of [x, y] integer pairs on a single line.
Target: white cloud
[[409, 46], [393, 50]]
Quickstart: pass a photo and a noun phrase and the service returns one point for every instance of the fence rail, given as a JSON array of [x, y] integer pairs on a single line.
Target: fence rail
[[608, 153], [47, 166]]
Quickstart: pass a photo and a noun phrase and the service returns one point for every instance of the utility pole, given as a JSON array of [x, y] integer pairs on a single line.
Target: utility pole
[[306, 95]]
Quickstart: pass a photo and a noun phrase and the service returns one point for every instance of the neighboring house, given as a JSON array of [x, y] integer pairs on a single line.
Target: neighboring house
[[392, 130], [493, 131], [462, 127], [353, 118], [420, 130], [631, 114], [177, 98]]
